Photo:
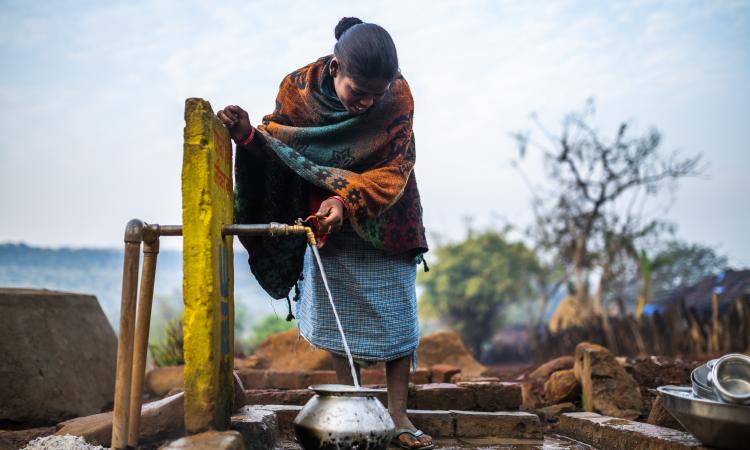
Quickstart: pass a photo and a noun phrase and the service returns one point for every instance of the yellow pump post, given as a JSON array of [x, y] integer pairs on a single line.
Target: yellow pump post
[[208, 283]]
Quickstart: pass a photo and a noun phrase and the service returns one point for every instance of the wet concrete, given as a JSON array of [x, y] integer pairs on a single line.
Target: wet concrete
[[550, 442]]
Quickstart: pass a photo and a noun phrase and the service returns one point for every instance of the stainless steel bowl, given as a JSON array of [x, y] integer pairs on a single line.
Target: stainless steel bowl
[[731, 378], [699, 380], [714, 423]]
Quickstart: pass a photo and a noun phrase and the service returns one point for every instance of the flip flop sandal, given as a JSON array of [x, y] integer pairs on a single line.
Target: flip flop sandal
[[415, 435]]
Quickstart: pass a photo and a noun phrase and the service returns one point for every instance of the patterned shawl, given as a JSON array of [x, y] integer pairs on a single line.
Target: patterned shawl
[[367, 159]]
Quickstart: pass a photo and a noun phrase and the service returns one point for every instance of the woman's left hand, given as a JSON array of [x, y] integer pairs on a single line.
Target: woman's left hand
[[330, 216], [237, 121]]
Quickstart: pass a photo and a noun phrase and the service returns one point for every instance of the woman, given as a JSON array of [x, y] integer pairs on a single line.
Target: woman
[[340, 143]]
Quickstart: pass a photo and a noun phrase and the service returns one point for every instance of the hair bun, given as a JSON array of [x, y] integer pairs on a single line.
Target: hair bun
[[344, 24]]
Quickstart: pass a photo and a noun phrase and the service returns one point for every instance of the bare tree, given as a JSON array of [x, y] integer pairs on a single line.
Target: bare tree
[[592, 212]]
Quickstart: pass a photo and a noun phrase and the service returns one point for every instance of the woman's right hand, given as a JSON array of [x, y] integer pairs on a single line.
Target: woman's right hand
[[237, 121]]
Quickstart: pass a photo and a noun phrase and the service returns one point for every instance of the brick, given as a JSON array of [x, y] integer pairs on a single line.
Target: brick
[[622, 434], [435, 423], [515, 425], [419, 376], [494, 395], [411, 399], [162, 380], [442, 373], [277, 396], [436, 396], [253, 378], [372, 376], [286, 379], [321, 377], [259, 428]]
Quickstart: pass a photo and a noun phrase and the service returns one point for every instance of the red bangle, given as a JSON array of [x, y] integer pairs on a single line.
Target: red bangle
[[343, 203], [249, 137]]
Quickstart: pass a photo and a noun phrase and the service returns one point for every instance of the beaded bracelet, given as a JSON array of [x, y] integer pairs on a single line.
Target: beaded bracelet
[[249, 137], [343, 203]]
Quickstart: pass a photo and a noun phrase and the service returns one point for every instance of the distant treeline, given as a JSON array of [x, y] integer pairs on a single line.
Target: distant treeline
[[99, 272]]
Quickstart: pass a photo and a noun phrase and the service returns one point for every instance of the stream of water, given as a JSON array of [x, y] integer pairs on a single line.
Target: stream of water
[[336, 315]]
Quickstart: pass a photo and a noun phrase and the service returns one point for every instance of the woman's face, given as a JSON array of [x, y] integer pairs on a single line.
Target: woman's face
[[357, 96]]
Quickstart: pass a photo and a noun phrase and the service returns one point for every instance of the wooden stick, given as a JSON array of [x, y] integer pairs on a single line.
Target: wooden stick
[[125, 339], [142, 324], [715, 324]]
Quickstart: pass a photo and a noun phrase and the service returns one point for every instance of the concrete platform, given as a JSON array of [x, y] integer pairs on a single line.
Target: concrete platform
[[622, 434], [266, 424], [551, 442]]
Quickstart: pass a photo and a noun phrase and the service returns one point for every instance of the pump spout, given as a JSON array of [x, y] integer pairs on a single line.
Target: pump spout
[[272, 229]]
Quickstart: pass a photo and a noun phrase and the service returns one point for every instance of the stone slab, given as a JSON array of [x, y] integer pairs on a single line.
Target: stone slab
[[161, 419], [622, 434], [58, 356], [209, 440], [516, 425], [447, 424], [552, 413], [208, 283], [13, 439], [435, 423], [259, 427], [285, 415]]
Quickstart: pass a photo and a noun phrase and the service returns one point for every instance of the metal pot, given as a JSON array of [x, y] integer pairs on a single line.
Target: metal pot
[[344, 417]]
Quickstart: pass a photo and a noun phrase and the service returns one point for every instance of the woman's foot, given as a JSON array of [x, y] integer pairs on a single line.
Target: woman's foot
[[412, 439], [397, 376]]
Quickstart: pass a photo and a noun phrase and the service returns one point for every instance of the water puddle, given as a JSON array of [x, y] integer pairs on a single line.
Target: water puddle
[[336, 315]]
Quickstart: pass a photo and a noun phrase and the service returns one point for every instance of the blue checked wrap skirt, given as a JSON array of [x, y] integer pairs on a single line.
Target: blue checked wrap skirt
[[374, 294]]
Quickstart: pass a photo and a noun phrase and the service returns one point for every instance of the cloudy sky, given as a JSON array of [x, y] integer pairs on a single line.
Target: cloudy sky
[[92, 95]]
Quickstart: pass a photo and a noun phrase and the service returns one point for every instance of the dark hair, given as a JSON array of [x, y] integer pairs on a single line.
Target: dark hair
[[364, 50]]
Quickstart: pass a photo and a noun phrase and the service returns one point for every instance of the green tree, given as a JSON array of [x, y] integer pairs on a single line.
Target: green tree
[[169, 351], [472, 280], [684, 264]]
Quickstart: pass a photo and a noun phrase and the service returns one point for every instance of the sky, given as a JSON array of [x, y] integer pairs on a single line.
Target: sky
[[92, 97]]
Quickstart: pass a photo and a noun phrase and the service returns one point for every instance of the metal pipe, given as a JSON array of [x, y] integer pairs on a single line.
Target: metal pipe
[[143, 321], [153, 231], [272, 229], [133, 235], [129, 376]]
